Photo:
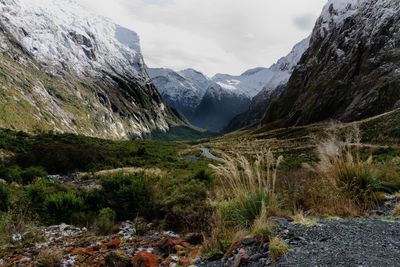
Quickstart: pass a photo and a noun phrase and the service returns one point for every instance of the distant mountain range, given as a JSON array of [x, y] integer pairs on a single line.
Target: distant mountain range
[[211, 103]]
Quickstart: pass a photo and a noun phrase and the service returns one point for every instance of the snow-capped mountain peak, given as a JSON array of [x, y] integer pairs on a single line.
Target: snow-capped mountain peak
[[335, 12], [63, 35], [251, 82]]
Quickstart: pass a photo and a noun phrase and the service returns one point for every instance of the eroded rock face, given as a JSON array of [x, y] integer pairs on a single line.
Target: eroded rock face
[[351, 70]]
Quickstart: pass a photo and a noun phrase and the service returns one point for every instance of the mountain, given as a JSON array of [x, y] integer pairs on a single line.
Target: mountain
[[351, 70], [201, 100], [274, 82], [212, 103], [182, 90], [250, 83], [218, 107], [65, 69]]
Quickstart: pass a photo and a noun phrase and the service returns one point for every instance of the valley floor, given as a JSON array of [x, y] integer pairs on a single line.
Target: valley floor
[[177, 188]]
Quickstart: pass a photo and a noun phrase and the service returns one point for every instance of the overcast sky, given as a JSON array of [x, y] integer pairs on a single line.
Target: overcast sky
[[213, 36]]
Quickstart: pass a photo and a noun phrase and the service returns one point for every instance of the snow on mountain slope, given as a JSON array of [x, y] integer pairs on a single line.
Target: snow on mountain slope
[[335, 12], [253, 81], [68, 70], [64, 35], [248, 84], [181, 90], [351, 70], [278, 75]]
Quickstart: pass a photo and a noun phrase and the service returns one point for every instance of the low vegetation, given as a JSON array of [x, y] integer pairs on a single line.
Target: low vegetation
[[278, 248], [345, 182], [149, 181]]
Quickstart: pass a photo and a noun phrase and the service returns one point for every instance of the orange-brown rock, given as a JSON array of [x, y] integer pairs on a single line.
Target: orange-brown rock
[[83, 251], [145, 259], [169, 245], [194, 254], [113, 244], [184, 262]]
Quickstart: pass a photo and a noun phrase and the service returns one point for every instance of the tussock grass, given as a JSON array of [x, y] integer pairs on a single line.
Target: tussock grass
[[262, 229], [396, 211], [244, 196], [345, 182], [238, 177], [278, 248], [49, 258], [303, 220]]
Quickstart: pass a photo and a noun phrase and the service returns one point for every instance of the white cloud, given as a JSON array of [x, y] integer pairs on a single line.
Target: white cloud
[[228, 36]]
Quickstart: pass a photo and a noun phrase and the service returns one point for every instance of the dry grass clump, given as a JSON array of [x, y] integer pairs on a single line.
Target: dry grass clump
[[299, 218], [238, 177], [18, 228], [344, 183], [396, 211], [278, 248], [262, 229], [49, 258], [244, 195]]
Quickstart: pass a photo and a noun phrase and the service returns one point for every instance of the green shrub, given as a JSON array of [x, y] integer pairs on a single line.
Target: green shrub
[[127, 195], [243, 212], [252, 205], [37, 192], [60, 207], [30, 174], [184, 202], [105, 222], [203, 176], [18, 228], [10, 173], [4, 197]]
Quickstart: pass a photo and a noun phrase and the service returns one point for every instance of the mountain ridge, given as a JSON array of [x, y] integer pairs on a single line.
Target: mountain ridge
[[72, 80], [352, 58]]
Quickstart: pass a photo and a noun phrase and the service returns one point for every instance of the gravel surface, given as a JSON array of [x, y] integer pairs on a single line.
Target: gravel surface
[[357, 242], [344, 242]]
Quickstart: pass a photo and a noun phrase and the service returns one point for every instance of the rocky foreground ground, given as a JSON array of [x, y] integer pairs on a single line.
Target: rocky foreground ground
[[364, 241]]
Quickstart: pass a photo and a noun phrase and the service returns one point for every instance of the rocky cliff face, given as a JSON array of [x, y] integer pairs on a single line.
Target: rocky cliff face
[[65, 69], [351, 70]]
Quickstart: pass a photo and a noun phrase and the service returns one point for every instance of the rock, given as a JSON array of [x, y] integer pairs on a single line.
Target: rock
[[248, 241], [16, 237], [194, 255], [82, 251], [117, 259], [169, 245], [184, 262], [113, 244], [241, 257], [144, 259], [127, 230], [255, 257]]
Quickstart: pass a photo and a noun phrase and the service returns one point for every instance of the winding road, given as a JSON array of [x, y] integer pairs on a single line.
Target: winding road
[[205, 152]]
